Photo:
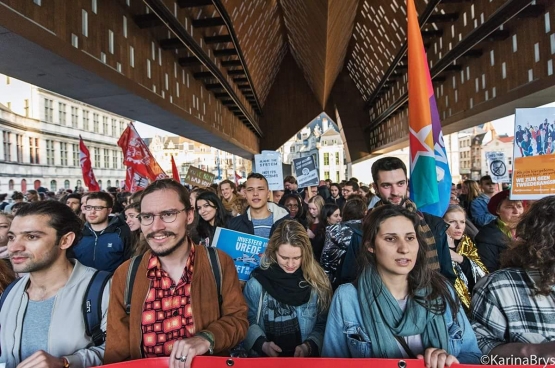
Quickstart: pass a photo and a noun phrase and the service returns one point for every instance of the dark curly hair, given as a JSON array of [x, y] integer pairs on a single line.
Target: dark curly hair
[[421, 276], [534, 247]]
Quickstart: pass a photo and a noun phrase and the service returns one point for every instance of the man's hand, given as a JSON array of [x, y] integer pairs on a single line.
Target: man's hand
[[41, 359], [301, 351], [188, 348], [271, 349], [437, 358]]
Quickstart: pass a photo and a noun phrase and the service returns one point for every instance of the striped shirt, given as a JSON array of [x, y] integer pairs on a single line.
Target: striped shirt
[[262, 227], [504, 311]]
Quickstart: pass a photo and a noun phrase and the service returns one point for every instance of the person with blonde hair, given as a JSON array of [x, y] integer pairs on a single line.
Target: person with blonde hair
[[315, 205], [288, 297], [6, 273], [467, 265]]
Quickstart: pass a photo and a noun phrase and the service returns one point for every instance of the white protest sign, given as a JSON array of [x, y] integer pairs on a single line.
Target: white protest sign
[[268, 163], [497, 167]]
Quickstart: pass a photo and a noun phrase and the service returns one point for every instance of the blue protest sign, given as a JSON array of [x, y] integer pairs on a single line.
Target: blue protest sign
[[245, 249]]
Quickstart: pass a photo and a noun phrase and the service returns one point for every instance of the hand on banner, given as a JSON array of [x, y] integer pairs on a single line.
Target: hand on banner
[[185, 350], [271, 349], [437, 358], [301, 351]]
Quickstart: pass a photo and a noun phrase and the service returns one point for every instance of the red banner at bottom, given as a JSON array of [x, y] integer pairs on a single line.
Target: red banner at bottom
[[223, 362]]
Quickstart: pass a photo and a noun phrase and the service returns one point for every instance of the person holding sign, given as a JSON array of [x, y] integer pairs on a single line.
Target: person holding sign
[[211, 214], [399, 307], [262, 216], [288, 297]]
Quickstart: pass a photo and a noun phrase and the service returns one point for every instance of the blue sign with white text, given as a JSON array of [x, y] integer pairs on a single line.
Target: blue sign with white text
[[245, 249]]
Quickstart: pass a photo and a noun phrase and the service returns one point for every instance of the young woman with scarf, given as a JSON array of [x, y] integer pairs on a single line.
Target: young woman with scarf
[[288, 297], [398, 307]]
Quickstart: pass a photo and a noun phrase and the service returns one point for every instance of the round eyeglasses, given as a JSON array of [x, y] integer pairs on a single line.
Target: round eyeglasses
[[166, 216]]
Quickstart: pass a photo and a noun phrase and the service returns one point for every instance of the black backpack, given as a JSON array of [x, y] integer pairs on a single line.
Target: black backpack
[[91, 307]]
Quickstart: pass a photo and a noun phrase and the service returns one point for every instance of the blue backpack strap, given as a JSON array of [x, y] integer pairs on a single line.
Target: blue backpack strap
[[131, 272], [6, 292], [92, 306]]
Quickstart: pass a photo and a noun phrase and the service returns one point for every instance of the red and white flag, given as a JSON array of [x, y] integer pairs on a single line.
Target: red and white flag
[[86, 167], [141, 165], [175, 172], [237, 177]]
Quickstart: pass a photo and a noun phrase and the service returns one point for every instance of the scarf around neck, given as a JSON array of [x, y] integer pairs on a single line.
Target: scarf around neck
[[383, 318], [287, 288]]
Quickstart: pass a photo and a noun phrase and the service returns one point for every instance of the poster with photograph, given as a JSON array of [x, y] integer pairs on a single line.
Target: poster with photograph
[[534, 154], [268, 163], [245, 249], [306, 172]]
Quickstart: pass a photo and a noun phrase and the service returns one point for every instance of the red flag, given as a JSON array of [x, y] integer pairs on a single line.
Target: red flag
[[141, 165], [237, 177], [175, 172], [86, 167]]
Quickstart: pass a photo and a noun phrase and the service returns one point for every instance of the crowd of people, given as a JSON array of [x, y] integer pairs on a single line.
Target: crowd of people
[[350, 271]]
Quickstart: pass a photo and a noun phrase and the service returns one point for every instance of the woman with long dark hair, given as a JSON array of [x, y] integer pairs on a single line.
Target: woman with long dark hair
[[138, 240], [329, 215], [6, 273], [211, 214], [398, 307], [288, 297]]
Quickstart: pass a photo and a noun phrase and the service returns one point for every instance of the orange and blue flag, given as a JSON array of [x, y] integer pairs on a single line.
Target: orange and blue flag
[[430, 179]]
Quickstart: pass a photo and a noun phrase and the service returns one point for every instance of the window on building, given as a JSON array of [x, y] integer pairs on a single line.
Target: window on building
[[19, 148], [96, 123], [10, 185], [326, 174], [121, 126], [337, 177], [48, 110], [26, 107], [114, 159], [97, 157], [85, 120], [34, 150], [114, 127], [7, 146], [100, 184], [117, 183], [337, 158], [78, 184], [108, 183], [105, 129], [106, 163], [326, 158], [53, 185], [85, 23], [49, 152], [62, 113], [66, 184], [75, 155], [63, 153], [74, 117]]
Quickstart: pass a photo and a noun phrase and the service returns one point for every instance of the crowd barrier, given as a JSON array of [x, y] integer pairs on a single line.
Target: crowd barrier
[[223, 362]]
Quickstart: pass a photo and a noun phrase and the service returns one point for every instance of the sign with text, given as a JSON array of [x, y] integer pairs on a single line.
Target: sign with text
[[198, 177], [306, 172], [534, 154], [245, 249], [268, 163], [497, 167]]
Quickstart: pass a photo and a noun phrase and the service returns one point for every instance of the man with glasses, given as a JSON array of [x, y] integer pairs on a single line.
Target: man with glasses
[[106, 241], [176, 309]]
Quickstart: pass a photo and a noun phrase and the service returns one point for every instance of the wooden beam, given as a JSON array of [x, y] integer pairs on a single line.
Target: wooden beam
[[213, 86], [225, 52], [203, 75], [221, 95], [240, 80], [236, 72], [208, 22], [189, 61], [171, 43], [227, 63], [193, 3], [147, 20], [209, 40]]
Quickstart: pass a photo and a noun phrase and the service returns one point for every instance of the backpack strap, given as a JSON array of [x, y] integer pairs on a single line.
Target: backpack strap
[[216, 270], [131, 273], [6, 292], [92, 306]]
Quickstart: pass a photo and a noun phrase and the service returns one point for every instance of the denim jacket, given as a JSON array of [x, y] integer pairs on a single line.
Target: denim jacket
[[311, 322], [345, 322]]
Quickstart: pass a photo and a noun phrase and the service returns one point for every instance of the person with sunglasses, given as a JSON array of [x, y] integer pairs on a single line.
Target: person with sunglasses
[[106, 241]]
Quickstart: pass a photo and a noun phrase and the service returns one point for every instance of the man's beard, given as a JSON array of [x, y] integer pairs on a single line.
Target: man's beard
[[402, 203], [169, 251]]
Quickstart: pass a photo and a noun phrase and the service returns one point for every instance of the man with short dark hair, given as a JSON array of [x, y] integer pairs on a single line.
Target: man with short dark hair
[[106, 241], [4, 203], [391, 185], [42, 316], [262, 216], [176, 309], [17, 197], [479, 213], [350, 188], [73, 201]]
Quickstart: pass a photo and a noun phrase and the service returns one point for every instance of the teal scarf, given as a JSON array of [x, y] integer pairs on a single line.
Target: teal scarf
[[383, 318]]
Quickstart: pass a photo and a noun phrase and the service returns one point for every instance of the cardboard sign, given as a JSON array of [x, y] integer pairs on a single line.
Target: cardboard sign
[[198, 177], [306, 172], [245, 249], [534, 154], [268, 163], [497, 167]]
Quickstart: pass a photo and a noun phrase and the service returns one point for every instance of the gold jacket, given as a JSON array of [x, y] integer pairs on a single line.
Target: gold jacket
[[467, 248]]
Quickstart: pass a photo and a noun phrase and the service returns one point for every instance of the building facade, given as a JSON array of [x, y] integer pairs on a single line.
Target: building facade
[[187, 152], [40, 131]]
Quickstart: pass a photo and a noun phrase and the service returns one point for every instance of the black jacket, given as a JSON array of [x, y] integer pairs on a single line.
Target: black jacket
[[244, 224], [339, 201], [491, 241]]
